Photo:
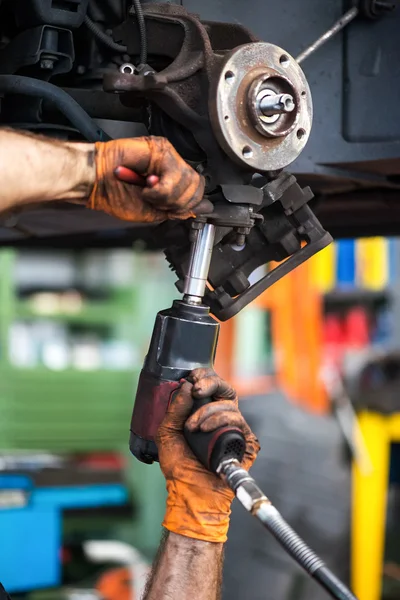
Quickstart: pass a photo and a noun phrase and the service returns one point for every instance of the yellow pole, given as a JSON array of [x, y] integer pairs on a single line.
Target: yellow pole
[[373, 263], [369, 509]]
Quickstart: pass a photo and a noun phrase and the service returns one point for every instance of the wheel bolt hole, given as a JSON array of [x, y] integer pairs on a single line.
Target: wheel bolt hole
[[229, 76], [301, 133], [284, 61], [247, 152]]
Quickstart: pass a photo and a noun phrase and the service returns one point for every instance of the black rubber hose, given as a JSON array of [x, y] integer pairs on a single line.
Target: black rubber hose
[[252, 498], [305, 557], [103, 37], [142, 31], [332, 584], [27, 86]]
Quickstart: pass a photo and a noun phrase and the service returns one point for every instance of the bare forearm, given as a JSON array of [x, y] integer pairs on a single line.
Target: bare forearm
[[185, 569], [37, 169]]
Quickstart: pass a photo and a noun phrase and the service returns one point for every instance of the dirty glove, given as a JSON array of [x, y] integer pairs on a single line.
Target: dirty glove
[[199, 502], [174, 195]]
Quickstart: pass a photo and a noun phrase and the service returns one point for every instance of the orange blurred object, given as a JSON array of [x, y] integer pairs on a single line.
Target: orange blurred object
[[116, 585], [298, 338], [224, 362], [296, 308]]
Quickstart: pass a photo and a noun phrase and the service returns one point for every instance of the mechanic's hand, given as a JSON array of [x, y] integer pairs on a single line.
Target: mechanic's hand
[[198, 504], [175, 191]]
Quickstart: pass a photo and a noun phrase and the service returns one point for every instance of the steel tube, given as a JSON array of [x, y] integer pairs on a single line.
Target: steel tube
[[200, 259], [338, 26]]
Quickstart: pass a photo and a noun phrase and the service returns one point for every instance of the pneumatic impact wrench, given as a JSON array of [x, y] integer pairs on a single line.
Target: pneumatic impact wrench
[[184, 338]]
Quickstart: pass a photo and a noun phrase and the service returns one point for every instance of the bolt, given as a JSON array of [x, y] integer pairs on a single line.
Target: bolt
[[47, 64], [127, 69], [276, 104], [241, 233]]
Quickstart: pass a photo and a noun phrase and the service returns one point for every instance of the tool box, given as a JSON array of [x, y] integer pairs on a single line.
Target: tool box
[[31, 514]]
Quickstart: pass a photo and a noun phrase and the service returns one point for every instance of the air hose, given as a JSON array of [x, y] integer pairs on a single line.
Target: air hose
[[256, 503], [137, 9], [27, 86]]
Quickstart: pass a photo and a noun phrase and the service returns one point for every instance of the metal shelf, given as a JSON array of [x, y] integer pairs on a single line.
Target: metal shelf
[[346, 298], [101, 313]]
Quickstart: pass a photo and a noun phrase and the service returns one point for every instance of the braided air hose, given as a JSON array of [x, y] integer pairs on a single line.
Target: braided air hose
[[254, 501], [137, 9]]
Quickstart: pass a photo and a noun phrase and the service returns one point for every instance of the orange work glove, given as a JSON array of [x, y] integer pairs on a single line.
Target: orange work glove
[[199, 502], [174, 195]]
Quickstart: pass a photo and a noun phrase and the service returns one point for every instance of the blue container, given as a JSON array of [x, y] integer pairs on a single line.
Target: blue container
[[346, 263], [31, 535]]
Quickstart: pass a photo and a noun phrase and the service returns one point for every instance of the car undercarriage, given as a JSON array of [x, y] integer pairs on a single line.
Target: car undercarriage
[[222, 83]]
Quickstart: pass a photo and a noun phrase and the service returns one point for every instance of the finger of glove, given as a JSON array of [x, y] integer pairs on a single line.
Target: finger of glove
[[164, 159], [180, 187], [214, 386], [252, 449], [205, 412], [153, 215], [132, 153], [174, 173], [176, 191], [232, 419], [201, 373], [204, 208], [179, 217], [224, 418], [179, 408], [125, 201], [186, 194]]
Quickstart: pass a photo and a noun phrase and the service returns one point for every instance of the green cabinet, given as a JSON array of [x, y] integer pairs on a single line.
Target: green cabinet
[[65, 411], [68, 409], [78, 410]]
